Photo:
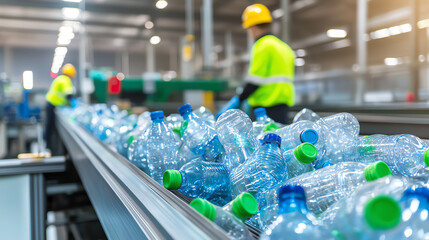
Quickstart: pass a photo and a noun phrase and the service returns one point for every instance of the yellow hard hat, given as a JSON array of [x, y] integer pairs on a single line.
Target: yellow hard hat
[[256, 14], [69, 70]]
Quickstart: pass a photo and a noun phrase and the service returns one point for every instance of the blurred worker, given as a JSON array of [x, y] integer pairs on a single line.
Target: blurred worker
[[59, 94], [269, 82]]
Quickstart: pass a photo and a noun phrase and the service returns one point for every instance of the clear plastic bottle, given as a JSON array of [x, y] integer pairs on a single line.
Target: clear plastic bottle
[[234, 129], [199, 135], [230, 218], [326, 186], [263, 170], [411, 155], [300, 132], [294, 221], [162, 147], [185, 155], [174, 122], [298, 160], [205, 114], [414, 225], [123, 129], [341, 123], [370, 211], [261, 120], [306, 114], [203, 179]]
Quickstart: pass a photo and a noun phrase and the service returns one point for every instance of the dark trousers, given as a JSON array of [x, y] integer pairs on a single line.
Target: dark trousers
[[50, 125], [278, 113]]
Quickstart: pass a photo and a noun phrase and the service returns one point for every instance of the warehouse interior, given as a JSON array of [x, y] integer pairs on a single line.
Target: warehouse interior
[[131, 58]]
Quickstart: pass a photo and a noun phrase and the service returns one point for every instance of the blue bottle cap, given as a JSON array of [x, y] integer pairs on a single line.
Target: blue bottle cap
[[286, 189], [310, 136], [185, 109], [156, 114], [420, 191], [260, 112], [272, 137]]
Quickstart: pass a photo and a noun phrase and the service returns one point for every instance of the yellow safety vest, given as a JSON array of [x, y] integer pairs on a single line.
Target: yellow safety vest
[[272, 67], [60, 88]]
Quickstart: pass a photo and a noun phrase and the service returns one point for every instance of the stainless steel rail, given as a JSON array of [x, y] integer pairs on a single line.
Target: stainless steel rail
[[129, 204]]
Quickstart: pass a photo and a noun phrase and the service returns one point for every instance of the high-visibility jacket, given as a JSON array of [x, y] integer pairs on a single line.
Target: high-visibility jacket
[[272, 68], [61, 87]]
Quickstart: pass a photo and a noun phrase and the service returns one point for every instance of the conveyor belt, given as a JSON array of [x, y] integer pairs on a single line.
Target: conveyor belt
[[129, 204]]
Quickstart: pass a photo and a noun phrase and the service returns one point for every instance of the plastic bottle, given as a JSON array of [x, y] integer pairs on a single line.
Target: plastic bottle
[[327, 185], [162, 147], [261, 121], [306, 114], [234, 129], [298, 160], [201, 179], [300, 132], [230, 218], [341, 123], [174, 122], [263, 170], [415, 205], [185, 155], [294, 221], [370, 211], [199, 135], [205, 114], [126, 126]]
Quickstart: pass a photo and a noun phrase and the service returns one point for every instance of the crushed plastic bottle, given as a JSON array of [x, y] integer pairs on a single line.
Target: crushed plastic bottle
[[162, 147], [199, 135], [261, 121], [234, 129], [306, 114], [230, 218], [298, 160], [205, 114], [201, 179], [263, 170], [294, 221]]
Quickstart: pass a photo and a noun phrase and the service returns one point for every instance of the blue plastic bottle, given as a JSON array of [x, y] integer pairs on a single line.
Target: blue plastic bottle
[[162, 147], [263, 170], [199, 135], [298, 160], [262, 120], [230, 218], [201, 179], [234, 129], [294, 221]]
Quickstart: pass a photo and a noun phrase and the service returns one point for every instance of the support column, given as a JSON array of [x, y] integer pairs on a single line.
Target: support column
[[187, 43], [8, 58], [229, 49], [207, 27], [362, 16], [150, 58], [125, 63], [82, 81], [413, 86], [285, 20]]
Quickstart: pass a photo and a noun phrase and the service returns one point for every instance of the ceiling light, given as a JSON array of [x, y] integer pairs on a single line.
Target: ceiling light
[[423, 23], [149, 25], [65, 29], [70, 13], [66, 35], [392, 61], [155, 40], [63, 41], [120, 76], [336, 33], [299, 62], [76, 1], [161, 4], [301, 53], [27, 80], [61, 50]]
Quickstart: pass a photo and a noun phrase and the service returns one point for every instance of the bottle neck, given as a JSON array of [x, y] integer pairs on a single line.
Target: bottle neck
[[262, 118], [188, 115], [423, 202], [292, 203], [158, 120]]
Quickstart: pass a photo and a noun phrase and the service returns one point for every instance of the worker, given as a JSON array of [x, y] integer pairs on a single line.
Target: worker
[[269, 82], [60, 94]]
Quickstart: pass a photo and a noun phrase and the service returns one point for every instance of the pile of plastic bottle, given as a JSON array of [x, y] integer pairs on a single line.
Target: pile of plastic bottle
[[316, 178]]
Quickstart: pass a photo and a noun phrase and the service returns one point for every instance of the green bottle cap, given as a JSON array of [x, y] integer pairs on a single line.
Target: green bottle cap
[[377, 170], [305, 153], [177, 131], [204, 207], [426, 157], [172, 179], [270, 127], [245, 205], [382, 212], [130, 139]]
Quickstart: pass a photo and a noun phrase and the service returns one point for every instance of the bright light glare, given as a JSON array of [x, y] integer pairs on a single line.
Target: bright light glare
[[120, 76], [27, 80], [63, 41], [76, 1], [336, 33], [299, 62], [61, 51], [70, 13], [148, 25], [66, 35], [423, 23], [392, 61], [155, 40], [301, 53], [161, 4]]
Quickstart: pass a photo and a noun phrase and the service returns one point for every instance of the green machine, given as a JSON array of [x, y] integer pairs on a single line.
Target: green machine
[[162, 89]]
